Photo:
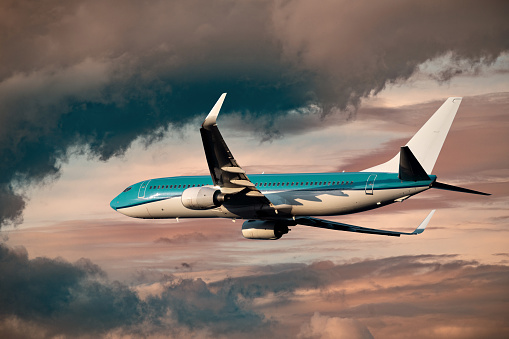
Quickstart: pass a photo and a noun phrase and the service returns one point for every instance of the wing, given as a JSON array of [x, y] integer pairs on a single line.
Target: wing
[[224, 169], [315, 222]]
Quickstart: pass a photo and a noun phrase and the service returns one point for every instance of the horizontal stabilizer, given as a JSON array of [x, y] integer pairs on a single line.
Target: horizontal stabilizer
[[409, 168], [332, 225], [442, 186]]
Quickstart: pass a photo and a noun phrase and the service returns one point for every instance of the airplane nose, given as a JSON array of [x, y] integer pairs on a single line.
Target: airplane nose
[[114, 203]]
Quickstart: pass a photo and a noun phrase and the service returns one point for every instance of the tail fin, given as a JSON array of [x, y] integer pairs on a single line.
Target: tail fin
[[428, 141], [409, 167]]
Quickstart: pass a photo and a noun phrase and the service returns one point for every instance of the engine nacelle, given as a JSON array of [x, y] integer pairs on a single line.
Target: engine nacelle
[[202, 198], [263, 229]]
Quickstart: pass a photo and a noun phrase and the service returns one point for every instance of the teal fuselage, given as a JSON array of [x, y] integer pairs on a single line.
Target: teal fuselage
[[299, 194]]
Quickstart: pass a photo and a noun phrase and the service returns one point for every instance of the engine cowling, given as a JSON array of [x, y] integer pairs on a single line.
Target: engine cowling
[[263, 229], [202, 198]]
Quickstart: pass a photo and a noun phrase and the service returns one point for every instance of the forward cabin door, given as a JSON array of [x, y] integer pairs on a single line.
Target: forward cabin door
[[143, 188], [370, 184]]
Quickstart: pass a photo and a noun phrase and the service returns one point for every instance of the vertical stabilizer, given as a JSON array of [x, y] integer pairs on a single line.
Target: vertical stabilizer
[[427, 142]]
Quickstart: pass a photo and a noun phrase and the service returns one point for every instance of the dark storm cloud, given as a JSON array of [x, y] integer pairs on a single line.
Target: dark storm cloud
[[75, 299], [325, 273], [55, 297], [383, 293], [94, 75]]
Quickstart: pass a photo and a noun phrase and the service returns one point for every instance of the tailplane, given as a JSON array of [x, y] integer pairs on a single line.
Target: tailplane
[[447, 187], [428, 141], [411, 170]]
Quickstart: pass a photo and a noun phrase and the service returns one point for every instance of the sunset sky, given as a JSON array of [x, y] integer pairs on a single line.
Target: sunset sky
[[98, 95]]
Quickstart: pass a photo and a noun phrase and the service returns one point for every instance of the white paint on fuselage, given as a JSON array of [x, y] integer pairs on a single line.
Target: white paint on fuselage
[[302, 203]]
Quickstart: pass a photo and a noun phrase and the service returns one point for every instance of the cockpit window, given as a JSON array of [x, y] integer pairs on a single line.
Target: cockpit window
[[128, 189]]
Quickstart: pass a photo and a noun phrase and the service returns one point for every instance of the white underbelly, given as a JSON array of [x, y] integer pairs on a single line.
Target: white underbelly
[[308, 203]]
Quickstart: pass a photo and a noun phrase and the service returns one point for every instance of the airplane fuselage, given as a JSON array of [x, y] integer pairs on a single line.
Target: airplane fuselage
[[301, 194]]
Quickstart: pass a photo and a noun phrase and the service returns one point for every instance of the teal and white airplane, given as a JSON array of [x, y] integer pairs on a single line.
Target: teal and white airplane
[[271, 203]]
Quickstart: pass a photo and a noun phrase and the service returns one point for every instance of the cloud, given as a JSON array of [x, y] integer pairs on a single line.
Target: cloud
[[62, 298], [94, 76], [365, 298], [184, 238], [325, 327], [358, 48], [380, 295]]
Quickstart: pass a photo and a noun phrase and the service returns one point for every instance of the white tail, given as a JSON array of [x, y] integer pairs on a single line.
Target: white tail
[[427, 142]]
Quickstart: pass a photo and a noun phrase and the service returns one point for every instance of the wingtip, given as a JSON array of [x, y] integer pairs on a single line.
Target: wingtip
[[210, 120], [424, 223]]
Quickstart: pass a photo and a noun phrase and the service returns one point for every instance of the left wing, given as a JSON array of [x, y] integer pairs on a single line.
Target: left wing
[[224, 169], [315, 222]]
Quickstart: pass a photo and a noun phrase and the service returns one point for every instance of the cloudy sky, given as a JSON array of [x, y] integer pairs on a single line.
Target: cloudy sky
[[97, 95]]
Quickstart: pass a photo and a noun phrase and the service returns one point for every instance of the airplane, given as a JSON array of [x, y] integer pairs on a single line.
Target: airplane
[[272, 203]]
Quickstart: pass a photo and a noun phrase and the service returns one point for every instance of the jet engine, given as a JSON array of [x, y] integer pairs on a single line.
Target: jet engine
[[202, 198], [263, 229]]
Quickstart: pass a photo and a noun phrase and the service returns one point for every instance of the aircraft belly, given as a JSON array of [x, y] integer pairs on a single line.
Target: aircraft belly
[[343, 202]]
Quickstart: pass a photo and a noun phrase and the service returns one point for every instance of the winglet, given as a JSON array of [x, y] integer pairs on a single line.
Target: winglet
[[210, 120], [424, 223]]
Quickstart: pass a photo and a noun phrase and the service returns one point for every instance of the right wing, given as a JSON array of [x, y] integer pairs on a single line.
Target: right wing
[[321, 223], [224, 169]]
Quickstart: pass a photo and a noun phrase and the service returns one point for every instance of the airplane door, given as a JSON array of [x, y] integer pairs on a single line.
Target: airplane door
[[143, 188], [370, 184]]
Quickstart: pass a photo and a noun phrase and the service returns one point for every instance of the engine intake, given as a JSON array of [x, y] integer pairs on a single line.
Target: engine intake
[[202, 198], [263, 229]]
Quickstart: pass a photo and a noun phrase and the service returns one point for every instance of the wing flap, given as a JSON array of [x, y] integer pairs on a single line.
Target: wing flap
[[241, 182], [233, 169]]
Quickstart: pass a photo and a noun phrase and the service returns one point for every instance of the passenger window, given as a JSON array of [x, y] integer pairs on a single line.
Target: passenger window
[[277, 184], [328, 183], [265, 184]]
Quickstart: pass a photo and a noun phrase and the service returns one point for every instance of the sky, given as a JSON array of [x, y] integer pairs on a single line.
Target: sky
[[96, 96]]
